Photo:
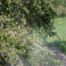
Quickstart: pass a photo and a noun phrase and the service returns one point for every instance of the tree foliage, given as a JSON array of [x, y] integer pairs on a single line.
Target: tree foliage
[[18, 18], [30, 12], [60, 7]]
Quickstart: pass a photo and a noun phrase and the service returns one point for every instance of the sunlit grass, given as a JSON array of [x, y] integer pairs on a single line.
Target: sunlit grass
[[60, 25], [60, 28]]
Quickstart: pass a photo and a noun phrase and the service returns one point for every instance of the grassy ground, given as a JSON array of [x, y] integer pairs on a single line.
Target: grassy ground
[[60, 28], [60, 24]]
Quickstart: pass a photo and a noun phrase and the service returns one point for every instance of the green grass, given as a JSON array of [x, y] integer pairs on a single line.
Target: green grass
[[60, 25], [60, 28]]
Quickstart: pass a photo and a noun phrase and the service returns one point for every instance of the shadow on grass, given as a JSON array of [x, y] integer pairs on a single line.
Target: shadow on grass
[[61, 45]]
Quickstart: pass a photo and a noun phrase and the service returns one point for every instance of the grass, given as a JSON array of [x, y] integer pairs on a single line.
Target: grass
[[60, 24], [60, 28]]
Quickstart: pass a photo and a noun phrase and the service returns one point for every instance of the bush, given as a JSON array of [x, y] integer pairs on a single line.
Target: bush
[[18, 20]]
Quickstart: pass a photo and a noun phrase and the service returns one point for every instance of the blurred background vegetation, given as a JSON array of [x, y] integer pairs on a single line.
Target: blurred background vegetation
[[27, 27]]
